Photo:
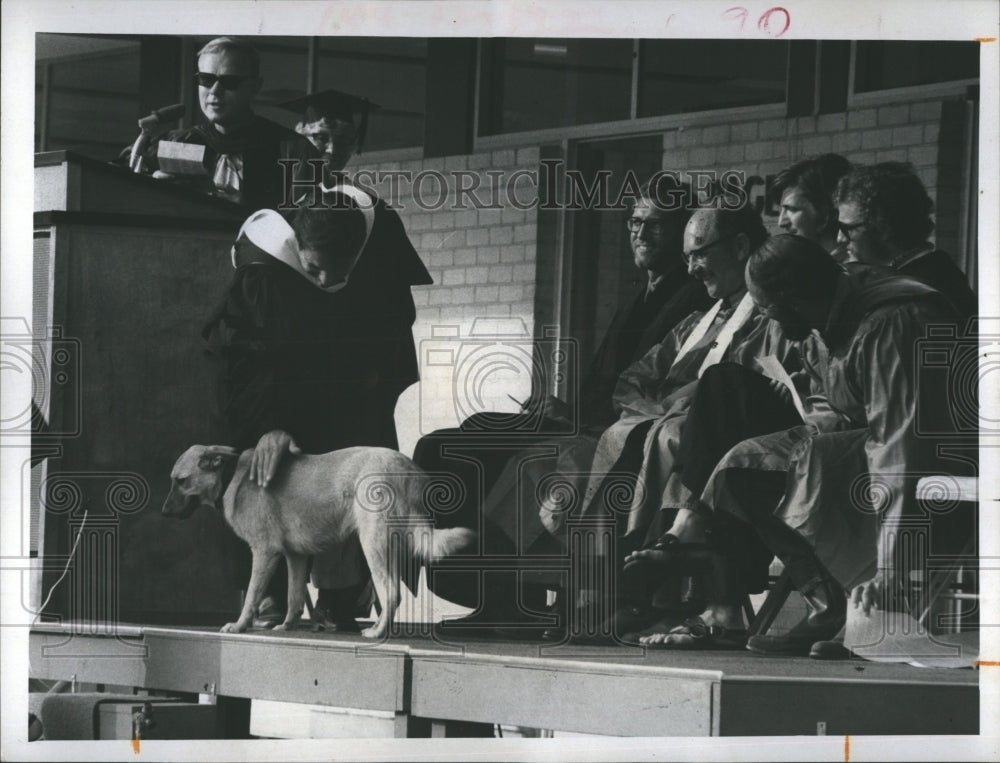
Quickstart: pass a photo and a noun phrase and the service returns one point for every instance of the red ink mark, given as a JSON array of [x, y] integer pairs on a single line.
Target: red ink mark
[[764, 22], [740, 12], [847, 748], [986, 39], [135, 745], [669, 19]]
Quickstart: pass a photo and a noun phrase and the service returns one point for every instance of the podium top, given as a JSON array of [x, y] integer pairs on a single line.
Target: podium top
[[66, 181]]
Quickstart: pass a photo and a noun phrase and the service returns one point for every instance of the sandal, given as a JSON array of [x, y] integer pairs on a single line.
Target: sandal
[[704, 636]]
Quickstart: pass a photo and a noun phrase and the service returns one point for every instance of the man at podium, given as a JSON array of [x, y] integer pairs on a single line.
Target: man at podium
[[234, 153]]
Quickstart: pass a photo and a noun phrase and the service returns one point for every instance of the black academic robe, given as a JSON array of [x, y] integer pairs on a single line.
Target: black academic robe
[[939, 271], [261, 143], [326, 368], [634, 329]]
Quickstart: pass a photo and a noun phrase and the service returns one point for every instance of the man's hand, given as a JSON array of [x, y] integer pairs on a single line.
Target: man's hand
[[881, 592], [781, 390], [268, 454]]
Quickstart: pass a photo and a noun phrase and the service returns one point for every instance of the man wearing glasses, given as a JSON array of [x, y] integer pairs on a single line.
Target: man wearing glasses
[[667, 296], [241, 149], [885, 220], [654, 394]]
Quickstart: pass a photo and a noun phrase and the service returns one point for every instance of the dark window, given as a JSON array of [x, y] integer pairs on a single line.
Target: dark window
[[884, 65], [389, 71], [533, 84], [93, 100], [679, 76]]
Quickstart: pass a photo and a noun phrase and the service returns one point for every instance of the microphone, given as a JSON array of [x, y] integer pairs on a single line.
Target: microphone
[[163, 116], [147, 127]]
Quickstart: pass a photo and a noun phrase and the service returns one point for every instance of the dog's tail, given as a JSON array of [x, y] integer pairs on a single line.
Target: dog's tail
[[447, 542]]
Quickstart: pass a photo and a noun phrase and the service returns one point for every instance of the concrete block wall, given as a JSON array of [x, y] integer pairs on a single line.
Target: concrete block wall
[[908, 132], [483, 264]]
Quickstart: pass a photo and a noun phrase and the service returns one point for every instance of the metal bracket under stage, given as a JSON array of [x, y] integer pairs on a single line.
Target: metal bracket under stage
[[601, 690]]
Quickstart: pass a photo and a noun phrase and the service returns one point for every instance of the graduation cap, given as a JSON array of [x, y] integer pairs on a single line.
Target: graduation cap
[[333, 104]]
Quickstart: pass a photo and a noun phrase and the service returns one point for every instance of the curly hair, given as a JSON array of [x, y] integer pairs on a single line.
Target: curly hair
[[892, 199]]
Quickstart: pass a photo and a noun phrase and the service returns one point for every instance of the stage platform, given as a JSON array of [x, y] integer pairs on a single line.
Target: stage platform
[[614, 690]]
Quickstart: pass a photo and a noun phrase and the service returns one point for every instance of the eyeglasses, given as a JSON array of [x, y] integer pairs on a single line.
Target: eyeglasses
[[849, 229], [228, 81], [653, 227], [701, 253]]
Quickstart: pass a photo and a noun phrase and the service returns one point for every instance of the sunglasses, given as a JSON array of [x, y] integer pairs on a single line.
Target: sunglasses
[[228, 81], [850, 229]]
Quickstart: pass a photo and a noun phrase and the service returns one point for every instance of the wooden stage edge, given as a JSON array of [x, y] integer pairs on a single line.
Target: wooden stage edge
[[611, 690]]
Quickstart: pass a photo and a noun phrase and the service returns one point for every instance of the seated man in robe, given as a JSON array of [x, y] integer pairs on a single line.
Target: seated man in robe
[[653, 392], [795, 493], [732, 401], [667, 295], [885, 218], [885, 221], [242, 150]]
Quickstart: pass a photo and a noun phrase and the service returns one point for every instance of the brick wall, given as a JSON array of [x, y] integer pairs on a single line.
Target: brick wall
[[906, 132], [484, 266]]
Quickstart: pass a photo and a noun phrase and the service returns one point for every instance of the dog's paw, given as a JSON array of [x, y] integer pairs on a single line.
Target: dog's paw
[[286, 626], [372, 632], [232, 628]]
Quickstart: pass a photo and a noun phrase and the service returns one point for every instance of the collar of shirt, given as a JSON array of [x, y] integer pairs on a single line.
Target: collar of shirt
[[730, 302], [911, 256]]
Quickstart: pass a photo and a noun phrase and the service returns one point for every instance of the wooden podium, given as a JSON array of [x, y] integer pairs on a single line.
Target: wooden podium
[[127, 270]]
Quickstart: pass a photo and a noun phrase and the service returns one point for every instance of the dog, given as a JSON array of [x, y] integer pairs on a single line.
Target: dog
[[315, 504]]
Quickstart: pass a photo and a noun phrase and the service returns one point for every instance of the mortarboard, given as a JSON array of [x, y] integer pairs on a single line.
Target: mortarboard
[[333, 104]]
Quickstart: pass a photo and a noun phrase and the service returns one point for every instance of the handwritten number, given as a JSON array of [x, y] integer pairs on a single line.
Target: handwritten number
[[764, 23], [738, 12]]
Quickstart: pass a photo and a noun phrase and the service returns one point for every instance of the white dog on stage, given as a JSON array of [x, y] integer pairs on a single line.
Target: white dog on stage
[[314, 505]]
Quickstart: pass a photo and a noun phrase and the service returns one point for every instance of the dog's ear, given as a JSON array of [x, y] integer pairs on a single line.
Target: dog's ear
[[210, 462]]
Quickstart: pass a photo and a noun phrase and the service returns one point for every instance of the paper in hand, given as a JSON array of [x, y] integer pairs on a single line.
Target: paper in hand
[[186, 159], [773, 369]]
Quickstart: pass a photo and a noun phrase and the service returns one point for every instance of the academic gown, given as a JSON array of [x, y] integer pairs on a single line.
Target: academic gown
[[327, 368], [938, 270], [260, 143], [851, 472], [512, 502], [653, 396]]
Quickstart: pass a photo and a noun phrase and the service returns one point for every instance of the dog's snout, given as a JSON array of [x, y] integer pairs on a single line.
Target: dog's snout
[[179, 505]]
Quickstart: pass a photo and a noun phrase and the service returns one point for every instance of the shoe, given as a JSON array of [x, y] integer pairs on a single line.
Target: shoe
[[269, 613], [334, 610], [827, 614], [831, 649], [697, 634]]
